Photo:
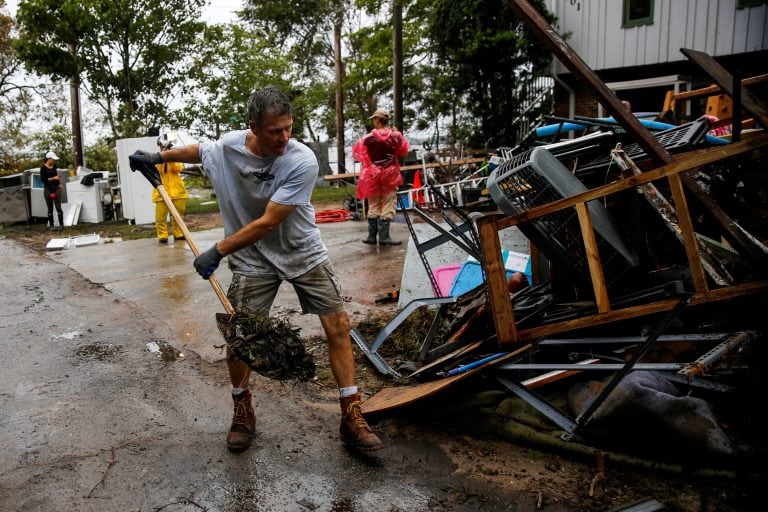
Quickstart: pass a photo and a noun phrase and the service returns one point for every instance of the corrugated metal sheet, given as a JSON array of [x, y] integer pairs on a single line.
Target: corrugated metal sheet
[[716, 27]]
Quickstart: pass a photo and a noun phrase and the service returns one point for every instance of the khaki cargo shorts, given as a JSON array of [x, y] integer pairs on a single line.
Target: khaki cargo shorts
[[318, 291]]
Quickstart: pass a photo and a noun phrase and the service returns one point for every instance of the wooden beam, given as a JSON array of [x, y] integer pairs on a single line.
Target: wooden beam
[[593, 259], [391, 398], [688, 233], [570, 59], [496, 281], [724, 79], [713, 90], [617, 315]]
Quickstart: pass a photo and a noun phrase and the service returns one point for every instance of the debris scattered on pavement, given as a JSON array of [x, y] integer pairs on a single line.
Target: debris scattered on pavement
[[269, 346]]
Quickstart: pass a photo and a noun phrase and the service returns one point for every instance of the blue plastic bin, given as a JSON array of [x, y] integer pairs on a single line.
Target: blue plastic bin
[[471, 275]]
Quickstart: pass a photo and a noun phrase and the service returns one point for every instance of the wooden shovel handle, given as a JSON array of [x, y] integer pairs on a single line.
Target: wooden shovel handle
[[195, 250]]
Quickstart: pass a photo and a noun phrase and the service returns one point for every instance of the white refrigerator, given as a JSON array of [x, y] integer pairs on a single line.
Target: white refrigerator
[[135, 190]]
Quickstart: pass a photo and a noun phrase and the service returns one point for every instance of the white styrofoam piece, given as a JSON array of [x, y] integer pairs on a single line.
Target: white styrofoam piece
[[56, 244], [83, 240]]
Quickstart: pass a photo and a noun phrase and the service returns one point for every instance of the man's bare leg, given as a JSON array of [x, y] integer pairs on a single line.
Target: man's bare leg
[[354, 429]]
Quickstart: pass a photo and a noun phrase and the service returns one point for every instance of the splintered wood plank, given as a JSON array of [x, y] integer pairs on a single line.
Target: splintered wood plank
[[453, 355], [732, 231], [496, 280], [593, 259], [392, 398], [688, 233], [713, 90], [617, 315]]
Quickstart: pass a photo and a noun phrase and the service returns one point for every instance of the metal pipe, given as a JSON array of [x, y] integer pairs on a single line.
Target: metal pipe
[[709, 360]]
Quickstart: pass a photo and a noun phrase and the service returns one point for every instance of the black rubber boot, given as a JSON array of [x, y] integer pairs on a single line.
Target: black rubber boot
[[384, 238], [373, 229]]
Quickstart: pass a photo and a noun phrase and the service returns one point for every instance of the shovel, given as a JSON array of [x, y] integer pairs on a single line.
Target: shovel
[[290, 359]]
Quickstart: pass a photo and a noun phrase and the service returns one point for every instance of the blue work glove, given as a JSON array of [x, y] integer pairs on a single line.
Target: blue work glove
[[145, 162], [207, 262]]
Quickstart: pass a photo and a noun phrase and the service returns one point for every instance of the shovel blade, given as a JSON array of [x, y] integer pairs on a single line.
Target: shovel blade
[[226, 325]]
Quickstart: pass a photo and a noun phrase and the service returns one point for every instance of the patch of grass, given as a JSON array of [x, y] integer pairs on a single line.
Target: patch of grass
[[202, 205], [196, 181], [405, 342], [332, 194], [38, 231]]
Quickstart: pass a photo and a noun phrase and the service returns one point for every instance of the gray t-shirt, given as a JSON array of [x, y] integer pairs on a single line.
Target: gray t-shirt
[[245, 183]]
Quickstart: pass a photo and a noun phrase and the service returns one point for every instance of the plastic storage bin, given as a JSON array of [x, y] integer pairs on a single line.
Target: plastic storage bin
[[471, 274]]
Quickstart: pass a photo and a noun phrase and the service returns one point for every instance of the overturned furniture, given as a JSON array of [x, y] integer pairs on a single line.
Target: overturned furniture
[[590, 256]]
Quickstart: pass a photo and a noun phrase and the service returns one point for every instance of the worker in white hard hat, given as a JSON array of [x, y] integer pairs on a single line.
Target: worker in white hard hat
[[52, 188]]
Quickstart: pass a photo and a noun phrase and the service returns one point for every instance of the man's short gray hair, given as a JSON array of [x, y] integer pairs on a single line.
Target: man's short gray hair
[[267, 100]]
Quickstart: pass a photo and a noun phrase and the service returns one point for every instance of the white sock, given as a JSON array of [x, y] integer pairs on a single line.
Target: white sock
[[238, 391], [347, 391]]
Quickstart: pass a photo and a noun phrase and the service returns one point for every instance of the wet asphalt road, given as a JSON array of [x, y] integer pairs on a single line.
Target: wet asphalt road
[[92, 420]]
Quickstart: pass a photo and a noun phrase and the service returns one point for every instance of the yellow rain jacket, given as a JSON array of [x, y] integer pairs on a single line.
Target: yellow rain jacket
[[170, 175]]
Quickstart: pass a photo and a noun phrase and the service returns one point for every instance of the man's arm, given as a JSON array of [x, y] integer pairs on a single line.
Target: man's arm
[[254, 231], [207, 262], [189, 154]]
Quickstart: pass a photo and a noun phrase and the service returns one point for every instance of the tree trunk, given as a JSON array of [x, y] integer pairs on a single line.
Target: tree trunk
[[397, 63], [340, 154], [77, 134]]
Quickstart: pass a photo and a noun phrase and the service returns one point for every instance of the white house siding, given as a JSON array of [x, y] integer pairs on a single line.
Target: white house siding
[[715, 27]]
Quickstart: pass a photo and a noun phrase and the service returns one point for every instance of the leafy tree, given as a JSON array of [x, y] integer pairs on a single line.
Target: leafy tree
[[56, 138], [231, 64], [305, 28], [369, 70], [130, 54], [14, 95], [482, 56], [101, 156]]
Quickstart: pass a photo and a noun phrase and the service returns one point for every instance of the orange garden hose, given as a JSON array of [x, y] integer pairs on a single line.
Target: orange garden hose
[[333, 216]]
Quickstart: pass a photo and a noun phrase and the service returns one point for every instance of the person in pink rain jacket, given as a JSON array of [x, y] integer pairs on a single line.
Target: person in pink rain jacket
[[379, 152]]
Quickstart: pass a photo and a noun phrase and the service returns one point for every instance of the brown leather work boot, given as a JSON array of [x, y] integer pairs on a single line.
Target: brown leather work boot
[[243, 423], [354, 430]]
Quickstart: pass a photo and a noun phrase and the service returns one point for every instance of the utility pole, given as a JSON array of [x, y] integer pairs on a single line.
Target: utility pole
[[77, 139], [340, 154], [397, 63], [77, 132]]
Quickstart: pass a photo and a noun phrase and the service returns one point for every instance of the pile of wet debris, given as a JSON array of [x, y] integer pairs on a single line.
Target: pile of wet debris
[[638, 325]]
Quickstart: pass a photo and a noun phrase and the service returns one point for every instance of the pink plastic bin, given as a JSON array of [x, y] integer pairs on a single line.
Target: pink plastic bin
[[444, 276]]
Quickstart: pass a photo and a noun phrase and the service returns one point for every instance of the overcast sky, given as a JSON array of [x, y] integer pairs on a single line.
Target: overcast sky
[[217, 11]]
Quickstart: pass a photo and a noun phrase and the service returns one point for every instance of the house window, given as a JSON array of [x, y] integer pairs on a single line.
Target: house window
[[741, 4], [637, 12]]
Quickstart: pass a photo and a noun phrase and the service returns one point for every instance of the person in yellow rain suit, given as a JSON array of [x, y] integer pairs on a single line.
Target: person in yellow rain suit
[[170, 175]]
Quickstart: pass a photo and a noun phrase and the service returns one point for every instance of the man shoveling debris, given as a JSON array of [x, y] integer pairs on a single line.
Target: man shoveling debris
[[264, 180]]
